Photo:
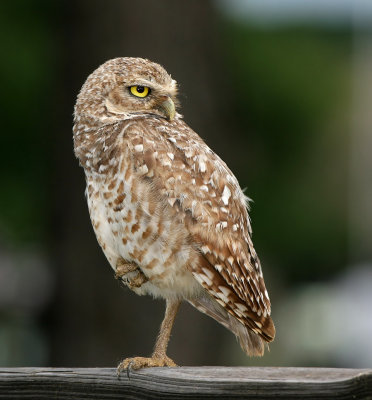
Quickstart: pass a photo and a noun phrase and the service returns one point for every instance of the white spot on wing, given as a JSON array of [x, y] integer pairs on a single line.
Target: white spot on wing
[[202, 165], [189, 153], [218, 267], [221, 225], [204, 279], [143, 169], [222, 297], [241, 307], [208, 272], [226, 195], [205, 249], [226, 291]]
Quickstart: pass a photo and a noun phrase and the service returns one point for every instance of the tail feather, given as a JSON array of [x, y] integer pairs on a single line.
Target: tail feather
[[252, 343]]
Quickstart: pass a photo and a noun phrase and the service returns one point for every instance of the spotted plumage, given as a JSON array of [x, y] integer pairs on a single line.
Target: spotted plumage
[[167, 211]]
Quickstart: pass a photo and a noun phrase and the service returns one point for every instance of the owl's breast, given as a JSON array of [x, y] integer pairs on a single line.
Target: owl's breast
[[131, 223]]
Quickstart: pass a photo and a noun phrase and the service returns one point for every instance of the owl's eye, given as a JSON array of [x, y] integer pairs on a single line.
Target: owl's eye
[[139, 91]]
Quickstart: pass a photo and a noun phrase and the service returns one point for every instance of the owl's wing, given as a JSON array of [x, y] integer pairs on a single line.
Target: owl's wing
[[191, 178]]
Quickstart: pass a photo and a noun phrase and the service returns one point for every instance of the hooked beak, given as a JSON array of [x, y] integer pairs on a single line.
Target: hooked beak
[[168, 108]]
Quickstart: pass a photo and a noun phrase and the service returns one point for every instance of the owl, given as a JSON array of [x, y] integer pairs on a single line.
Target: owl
[[167, 212]]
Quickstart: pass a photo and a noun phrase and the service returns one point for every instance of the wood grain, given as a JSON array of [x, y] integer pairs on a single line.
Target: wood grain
[[186, 383]]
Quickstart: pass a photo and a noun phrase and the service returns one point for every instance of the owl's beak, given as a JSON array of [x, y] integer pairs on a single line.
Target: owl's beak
[[168, 108]]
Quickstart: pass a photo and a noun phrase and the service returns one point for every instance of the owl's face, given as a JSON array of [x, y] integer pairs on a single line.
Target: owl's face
[[124, 87]]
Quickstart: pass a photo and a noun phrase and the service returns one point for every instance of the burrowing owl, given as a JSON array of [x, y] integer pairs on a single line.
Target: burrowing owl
[[167, 211]]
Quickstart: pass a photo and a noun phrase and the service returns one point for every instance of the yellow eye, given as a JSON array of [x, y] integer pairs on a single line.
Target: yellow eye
[[139, 91]]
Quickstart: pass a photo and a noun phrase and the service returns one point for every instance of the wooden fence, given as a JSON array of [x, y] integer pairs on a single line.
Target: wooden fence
[[186, 383]]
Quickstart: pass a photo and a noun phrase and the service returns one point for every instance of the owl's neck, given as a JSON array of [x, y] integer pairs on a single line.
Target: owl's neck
[[95, 143]]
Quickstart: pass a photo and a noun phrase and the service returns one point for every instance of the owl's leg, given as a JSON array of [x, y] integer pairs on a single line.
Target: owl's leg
[[161, 344], [123, 268], [159, 357]]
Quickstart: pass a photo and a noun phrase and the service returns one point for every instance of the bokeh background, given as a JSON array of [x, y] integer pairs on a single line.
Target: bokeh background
[[281, 89]]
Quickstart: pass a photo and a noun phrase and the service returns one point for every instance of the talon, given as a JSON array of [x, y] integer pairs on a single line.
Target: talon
[[123, 267], [138, 280], [128, 369], [145, 362]]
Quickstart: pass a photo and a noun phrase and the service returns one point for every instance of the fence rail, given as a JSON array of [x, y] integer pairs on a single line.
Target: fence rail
[[186, 383]]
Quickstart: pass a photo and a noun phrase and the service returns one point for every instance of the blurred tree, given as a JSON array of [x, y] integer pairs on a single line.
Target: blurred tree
[[292, 89], [26, 74], [361, 143]]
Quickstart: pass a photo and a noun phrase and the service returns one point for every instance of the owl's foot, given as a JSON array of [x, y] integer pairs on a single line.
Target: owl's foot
[[123, 268], [145, 362], [138, 280]]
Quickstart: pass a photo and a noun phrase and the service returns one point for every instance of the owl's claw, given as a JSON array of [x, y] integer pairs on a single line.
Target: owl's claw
[[123, 268], [144, 362], [138, 280]]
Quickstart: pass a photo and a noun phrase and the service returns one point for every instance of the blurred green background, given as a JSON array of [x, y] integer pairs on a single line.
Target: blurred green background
[[282, 92]]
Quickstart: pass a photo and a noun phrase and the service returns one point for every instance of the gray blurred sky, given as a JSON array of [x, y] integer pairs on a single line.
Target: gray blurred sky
[[284, 11]]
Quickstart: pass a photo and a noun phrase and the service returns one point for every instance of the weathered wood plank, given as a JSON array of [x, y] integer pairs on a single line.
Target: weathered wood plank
[[186, 383]]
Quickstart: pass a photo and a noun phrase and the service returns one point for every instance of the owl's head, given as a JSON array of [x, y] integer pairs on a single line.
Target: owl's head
[[126, 87]]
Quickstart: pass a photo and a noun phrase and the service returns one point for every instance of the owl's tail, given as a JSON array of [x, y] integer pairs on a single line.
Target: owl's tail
[[252, 343]]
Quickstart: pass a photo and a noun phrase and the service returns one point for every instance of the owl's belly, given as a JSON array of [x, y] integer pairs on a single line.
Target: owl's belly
[[151, 238]]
